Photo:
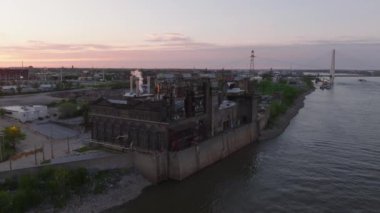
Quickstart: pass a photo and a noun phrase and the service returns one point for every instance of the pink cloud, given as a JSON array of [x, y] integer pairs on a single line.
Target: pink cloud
[[168, 37]]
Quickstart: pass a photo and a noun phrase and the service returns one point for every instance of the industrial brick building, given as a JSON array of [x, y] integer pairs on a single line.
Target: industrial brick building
[[177, 116], [13, 74], [184, 125]]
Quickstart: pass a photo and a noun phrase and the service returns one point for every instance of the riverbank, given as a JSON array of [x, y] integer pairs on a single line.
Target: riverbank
[[107, 194], [283, 120], [129, 187]]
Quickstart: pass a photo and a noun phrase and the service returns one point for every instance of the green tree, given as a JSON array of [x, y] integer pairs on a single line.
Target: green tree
[[2, 112], [67, 109], [5, 201], [19, 89], [85, 109], [67, 85], [12, 135]]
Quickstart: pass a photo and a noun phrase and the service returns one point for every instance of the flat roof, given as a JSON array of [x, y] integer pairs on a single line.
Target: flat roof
[[18, 108]]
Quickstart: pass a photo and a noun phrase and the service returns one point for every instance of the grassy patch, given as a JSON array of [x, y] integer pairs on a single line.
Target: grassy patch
[[86, 149], [98, 148], [45, 162], [286, 95]]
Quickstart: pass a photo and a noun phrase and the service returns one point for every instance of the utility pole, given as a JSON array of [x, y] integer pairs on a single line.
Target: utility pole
[[1, 146], [51, 143], [43, 152], [35, 154], [68, 145], [61, 75]]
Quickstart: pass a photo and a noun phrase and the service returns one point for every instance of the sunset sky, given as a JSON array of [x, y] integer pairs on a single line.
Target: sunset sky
[[187, 34]]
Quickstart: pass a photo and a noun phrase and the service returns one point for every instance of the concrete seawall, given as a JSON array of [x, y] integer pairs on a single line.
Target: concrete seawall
[[189, 161], [160, 166]]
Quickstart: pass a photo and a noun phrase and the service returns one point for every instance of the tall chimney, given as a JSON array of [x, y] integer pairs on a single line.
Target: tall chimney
[[130, 84], [137, 87], [148, 86]]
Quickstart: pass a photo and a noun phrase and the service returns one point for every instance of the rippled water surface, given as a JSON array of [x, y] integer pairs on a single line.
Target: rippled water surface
[[328, 160]]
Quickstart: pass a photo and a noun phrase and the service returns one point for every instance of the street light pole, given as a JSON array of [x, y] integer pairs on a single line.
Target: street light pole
[[68, 145], [1, 147], [51, 142]]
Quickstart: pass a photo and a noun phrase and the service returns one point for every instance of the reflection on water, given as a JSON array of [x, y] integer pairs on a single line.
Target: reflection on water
[[328, 159]]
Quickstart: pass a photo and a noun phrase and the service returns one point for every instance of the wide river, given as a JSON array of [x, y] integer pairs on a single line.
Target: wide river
[[327, 160]]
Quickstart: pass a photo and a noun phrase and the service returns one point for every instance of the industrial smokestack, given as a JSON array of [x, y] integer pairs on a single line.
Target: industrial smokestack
[[148, 86], [138, 75], [138, 87], [130, 85]]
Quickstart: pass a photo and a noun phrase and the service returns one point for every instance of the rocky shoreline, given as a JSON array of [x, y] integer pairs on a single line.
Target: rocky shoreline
[[127, 188], [283, 120]]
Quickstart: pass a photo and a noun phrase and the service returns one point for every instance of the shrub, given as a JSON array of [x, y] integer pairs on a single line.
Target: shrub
[[5, 202], [50, 185], [67, 109], [21, 201], [276, 109]]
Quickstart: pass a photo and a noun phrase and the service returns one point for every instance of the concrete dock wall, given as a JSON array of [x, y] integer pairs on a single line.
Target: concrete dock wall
[[189, 161], [152, 165]]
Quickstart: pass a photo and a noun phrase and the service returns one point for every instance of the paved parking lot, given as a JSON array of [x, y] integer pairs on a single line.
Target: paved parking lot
[[56, 148], [55, 131]]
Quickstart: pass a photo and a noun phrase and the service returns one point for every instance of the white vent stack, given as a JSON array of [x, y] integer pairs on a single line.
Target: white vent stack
[[138, 87], [131, 84], [148, 85]]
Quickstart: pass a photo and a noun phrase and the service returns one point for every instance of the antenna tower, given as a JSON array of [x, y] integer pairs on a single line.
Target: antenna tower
[[252, 65]]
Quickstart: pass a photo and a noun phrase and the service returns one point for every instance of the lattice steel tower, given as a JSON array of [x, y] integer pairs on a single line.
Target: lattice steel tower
[[252, 65]]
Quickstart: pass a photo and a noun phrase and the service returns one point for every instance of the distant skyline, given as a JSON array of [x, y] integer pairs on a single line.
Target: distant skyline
[[213, 34]]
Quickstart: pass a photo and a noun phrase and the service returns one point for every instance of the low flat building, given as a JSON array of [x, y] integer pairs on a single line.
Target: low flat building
[[26, 113]]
